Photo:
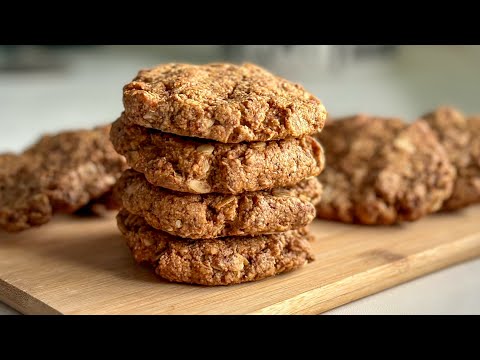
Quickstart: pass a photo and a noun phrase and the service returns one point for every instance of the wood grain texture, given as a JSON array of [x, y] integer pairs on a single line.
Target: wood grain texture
[[82, 266]]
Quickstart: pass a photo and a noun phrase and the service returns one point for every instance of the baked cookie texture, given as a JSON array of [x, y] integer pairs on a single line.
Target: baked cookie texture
[[59, 173], [460, 136], [382, 171], [222, 102], [199, 166], [224, 261], [209, 216]]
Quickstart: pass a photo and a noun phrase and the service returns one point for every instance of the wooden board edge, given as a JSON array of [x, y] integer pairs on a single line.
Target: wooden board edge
[[315, 301], [23, 302]]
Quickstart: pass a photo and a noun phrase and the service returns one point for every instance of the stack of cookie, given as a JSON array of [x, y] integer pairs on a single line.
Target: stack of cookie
[[223, 172]]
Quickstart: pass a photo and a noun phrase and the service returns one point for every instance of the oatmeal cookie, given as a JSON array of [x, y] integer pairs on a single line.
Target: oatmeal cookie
[[208, 216], [197, 166], [224, 261], [382, 171], [22, 202], [61, 172], [222, 102], [461, 139]]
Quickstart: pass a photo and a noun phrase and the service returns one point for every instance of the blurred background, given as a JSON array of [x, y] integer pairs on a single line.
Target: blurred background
[[50, 88]]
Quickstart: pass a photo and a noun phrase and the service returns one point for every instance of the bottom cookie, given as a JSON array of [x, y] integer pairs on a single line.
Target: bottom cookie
[[226, 261]]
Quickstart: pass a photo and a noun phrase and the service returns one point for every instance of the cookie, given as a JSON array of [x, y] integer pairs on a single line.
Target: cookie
[[60, 173], [100, 206], [222, 102], [224, 261], [209, 216], [460, 138], [382, 171], [197, 166]]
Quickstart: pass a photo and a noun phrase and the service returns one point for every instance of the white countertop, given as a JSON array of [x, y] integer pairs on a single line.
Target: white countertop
[[416, 80]]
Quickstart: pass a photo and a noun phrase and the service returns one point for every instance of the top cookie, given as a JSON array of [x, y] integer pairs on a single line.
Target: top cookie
[[222, 102], [460, 137], [382, 171]]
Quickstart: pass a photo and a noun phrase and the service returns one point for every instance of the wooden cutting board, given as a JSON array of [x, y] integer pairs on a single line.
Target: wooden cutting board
[[82, 266]]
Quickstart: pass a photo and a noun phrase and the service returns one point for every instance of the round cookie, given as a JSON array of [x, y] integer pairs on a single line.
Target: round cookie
[[461, 139], [224, 261], [197, 166], [209, 216], [59, 173], [382, 171], [222, 102]]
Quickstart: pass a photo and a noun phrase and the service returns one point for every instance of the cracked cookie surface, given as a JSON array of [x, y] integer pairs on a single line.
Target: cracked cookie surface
[[222, 102], [204, 216], [224, 261], [59, 173], [382, 171], [198, 166], [460, 136]]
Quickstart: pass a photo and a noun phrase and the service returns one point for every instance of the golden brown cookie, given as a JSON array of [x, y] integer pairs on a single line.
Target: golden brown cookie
[[209, 216], [197, 166], [382, 171], [222, 102], [224, 261], [61, 172], [461, 139]]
